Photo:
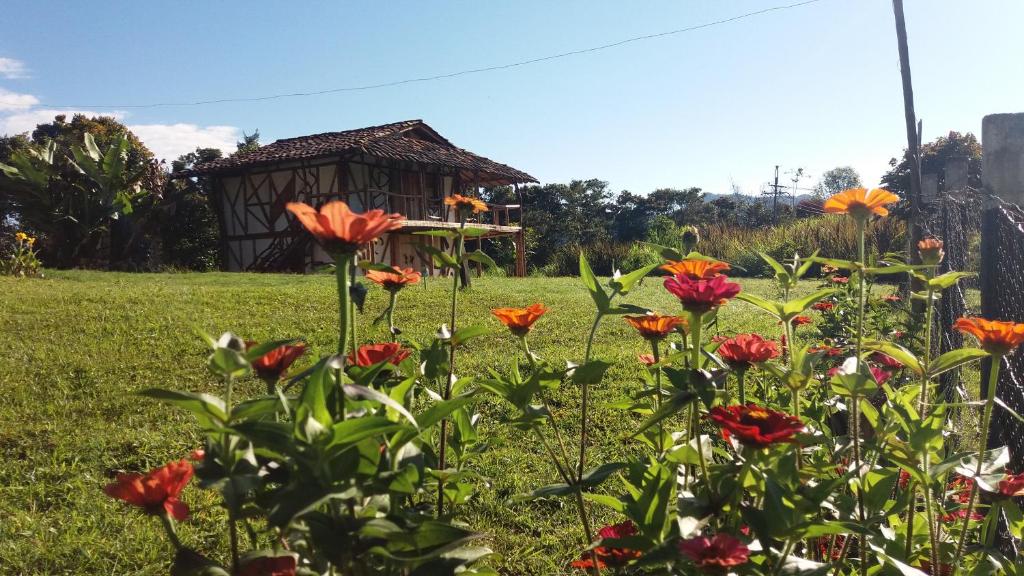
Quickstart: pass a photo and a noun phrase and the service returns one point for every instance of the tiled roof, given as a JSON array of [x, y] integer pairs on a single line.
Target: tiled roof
[[411, 140]]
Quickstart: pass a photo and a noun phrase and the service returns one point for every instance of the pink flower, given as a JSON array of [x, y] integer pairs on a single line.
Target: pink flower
[[701, 296]]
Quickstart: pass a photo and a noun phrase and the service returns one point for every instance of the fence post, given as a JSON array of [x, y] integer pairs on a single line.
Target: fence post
[[953, 304], [1002, 137]]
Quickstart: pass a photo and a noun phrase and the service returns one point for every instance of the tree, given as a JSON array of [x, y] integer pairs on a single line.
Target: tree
[[933, 159], [73, 192], [189, 232], [836, 180], [248, 143]]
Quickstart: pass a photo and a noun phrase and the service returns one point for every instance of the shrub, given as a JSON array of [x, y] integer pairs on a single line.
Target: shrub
[[22, 260]]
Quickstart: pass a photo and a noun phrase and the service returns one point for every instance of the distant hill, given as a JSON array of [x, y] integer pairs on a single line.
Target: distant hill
[[750, 199]]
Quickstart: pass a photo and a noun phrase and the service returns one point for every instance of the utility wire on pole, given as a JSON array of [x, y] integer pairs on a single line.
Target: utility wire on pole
[[777, 191]]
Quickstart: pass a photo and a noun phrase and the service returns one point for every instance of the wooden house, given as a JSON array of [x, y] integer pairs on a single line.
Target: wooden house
[[404, 167]]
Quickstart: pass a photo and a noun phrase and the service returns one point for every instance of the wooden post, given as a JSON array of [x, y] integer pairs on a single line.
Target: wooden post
[[520, 254], [913, 140]]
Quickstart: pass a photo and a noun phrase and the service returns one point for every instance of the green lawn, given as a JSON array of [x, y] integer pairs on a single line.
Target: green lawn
[[76, 345]]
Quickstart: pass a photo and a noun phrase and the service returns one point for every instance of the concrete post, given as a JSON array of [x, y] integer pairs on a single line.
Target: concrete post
[[929, 188], [955, 176], [1002, 144]]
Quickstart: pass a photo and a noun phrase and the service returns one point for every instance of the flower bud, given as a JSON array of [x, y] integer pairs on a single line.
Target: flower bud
[[931, 251]]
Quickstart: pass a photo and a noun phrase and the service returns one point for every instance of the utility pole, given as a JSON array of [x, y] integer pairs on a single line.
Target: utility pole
[[775, 193], [913, 136]]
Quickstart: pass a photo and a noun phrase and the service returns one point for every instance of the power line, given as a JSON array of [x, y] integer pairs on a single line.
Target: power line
[[448, 75]]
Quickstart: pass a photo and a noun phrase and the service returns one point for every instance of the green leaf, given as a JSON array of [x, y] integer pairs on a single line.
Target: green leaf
[[473, 232], [358, 392], [463, 335], [948, 279], [595, 476], [806, 264], [378, 267], [795, 307], [228, 363], [590, 281], [623, 284], [204, 406], [479, 256], [773, 308], [440, 258], [350, 432], [895, 269], [590, 373], [255, 408], [955, 359], [836, 263], [898, 353], [450, 234], [665, 252]]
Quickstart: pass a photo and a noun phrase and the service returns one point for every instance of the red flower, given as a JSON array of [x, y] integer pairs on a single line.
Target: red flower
[[904, 480], [701, 296], [743, 350], [898, 334], [520, 320], [823, 306], [646, 359], [715, 554], [959, 515], [655, 326], [801, 320], [155, 492], [269, 566], [892, 298], [273, 364], [393, 282], [755, 426], [1012, 485], [825, 542], [830, 351], [995, 337], [339, 229], [839, 280], [370, 354], [886, 361], [609, 555], [879, 374]]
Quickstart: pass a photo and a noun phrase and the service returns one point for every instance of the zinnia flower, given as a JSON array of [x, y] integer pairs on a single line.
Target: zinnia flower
[[1012, 485], [861, 203], [801, 320], [21, 237], [744, 350], [931, 251], [157, 491], [466, 203], [340, 230], [646, 359], [370, 354], [273, 364], [823, 306], [695, 268], [269, 566], [718, 553], [655, 326], [892, 298], [393, 282], [839, 280], [755, 426], [885, 360], [609, 555], [701, 296], [520, 320], [960, 515], [879, 374], [995, 337]]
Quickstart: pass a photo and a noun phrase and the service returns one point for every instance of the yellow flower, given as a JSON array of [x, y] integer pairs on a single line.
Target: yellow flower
[[31, 241], [21, 237]]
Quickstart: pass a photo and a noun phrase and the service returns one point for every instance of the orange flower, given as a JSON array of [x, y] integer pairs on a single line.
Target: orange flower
[[695, 268], [520, 320], [394, 281], [370, 354], [340, 230], [655, 326], [273, 364], [931, 250], [861, 203], [466, 203], [155, 492], [995, 337]]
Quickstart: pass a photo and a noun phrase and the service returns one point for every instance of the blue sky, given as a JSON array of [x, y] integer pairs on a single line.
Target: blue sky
[[814, 87]]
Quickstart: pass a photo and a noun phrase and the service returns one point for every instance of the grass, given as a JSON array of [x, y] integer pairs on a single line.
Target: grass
[[75, 346]]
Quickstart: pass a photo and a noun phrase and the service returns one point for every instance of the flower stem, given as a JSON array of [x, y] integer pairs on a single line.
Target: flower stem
[[855, 399], [741, 386], [924, 410], [460, 246], [986, 422], [341, 270], [165, 519], [585, 399], [391, 312], [696, 323], [657, 393]]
